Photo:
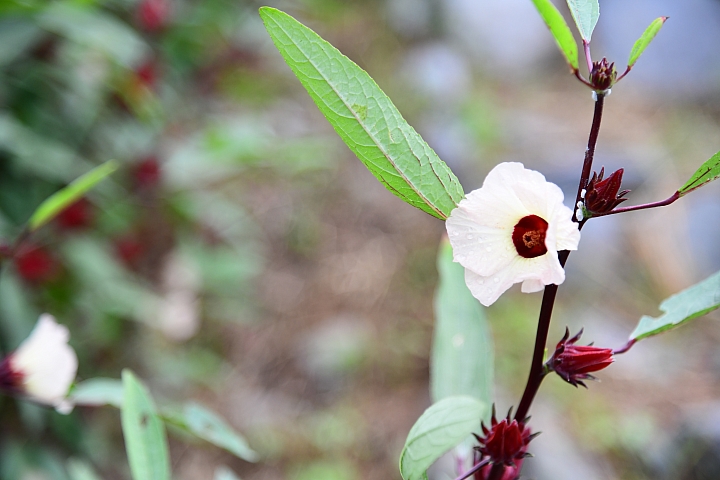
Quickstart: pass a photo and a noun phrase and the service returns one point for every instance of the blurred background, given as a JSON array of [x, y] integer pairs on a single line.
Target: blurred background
[[243, 257]]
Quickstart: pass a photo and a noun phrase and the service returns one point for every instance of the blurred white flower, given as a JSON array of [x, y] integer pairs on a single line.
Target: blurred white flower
[[509, 231], [44, 366]]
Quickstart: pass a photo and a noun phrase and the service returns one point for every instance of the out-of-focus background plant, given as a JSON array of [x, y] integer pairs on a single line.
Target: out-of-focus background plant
[[242, 257]]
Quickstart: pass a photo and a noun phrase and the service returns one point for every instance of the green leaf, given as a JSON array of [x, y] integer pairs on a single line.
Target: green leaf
[[97, 392], [645, 40], [560, 31], [144, 432], [707, 172], [365, 118], [462, 352], [60, 200], [586, 14], [444, 425], [691, 303], [207, 425]]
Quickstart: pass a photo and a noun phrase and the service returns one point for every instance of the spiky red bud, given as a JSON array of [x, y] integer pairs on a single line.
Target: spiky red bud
[[603, 75], [575, 363], [602, 196]]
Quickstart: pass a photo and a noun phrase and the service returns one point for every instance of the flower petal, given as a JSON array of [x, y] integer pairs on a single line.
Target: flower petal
[[47, 362]]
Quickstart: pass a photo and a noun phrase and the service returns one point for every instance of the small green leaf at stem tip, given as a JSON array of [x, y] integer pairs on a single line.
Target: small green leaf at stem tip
[[461, 361], [60, 200], [144, 432], [707, 172], [586, 14], [691, 303], [642, 43], [365, 118], [560, 31], [443, 426]]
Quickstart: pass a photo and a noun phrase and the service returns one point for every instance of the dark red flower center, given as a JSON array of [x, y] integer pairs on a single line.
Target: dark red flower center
[[529, 236]]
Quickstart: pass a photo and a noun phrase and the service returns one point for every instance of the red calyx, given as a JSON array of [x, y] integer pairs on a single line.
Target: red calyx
[[36, 264], [147, 172], [77, 215], [603, 75], [504, 442], [602, 196], [152, 15], [574, 363]]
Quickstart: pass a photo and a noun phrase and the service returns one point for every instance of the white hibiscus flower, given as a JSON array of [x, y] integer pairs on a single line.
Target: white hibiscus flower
[[44, 366], [509, 231]]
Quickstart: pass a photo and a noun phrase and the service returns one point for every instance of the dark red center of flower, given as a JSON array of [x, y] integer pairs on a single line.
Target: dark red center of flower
[[529, 236]]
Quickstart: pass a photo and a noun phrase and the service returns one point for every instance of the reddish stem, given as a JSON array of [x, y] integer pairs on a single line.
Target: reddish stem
[[497, 471], [474, 469], [644, 206], [627, 347], [588, 58]]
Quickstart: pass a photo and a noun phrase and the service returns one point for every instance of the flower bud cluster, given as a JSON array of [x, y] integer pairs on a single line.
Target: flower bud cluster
[[603, 75]]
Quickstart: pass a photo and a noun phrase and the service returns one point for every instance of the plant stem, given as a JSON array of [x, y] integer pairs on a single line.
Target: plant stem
[[625, 348], [497, 471], [590, 152], [632, 208], [536, 375], [588, 57], [474, 469]]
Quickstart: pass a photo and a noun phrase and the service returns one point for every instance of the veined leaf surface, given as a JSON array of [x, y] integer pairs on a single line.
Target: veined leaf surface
[[365, 118]]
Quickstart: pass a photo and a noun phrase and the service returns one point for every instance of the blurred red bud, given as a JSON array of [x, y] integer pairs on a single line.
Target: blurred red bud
[[36, 264], [78, 215], [147, 172], [153, 15], [574, 363]]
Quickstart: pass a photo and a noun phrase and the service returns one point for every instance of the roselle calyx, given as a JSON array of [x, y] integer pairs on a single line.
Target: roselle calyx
[[603, 195], [575, 363], [505, 441], [603, 75]]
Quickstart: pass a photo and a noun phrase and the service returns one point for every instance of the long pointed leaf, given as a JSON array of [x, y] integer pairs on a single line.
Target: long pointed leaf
[[144, 432], [586, 14], [691, 303], [462, 353], [560, 31], [642, 43], [62, 199], [707, 172], [365, 118]]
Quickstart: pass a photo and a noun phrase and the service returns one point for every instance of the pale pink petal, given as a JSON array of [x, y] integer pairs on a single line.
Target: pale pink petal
[[47, 362], [532, 286], [480, 232]]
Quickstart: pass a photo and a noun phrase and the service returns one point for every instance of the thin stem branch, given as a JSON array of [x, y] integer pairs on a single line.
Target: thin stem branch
[[644, 206], [588, 57], [579, 76], [474, 469], [625, 348], [590, 152]]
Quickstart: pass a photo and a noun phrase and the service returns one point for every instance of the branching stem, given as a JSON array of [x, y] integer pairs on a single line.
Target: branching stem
[[474, 469], [644, 206]]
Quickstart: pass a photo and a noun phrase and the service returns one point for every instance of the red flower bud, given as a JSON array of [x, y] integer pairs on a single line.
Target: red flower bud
[[152, 15], [574, 363], [505, 441], [603, 75], [36, 265], [602, 196], [77, 215], [147, 172]]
